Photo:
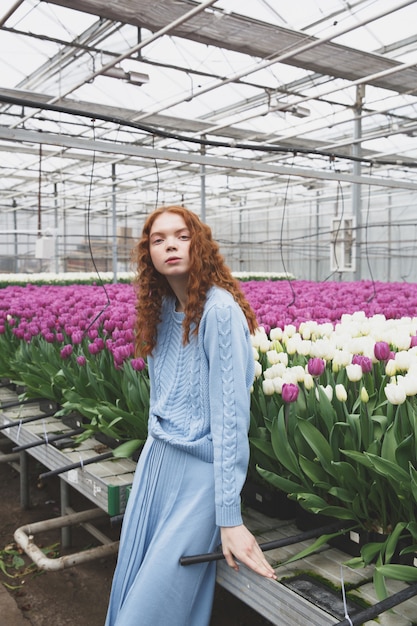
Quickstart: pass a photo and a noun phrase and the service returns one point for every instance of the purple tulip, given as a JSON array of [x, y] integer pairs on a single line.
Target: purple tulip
[[93, 348], [66, 351], [290, 392], [382, 350], [138, 364], [364, 361], [413, 341], [81, 360], [316, 366], [76, 337]]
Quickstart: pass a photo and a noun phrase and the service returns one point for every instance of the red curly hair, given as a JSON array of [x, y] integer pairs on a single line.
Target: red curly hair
[[207, 268]]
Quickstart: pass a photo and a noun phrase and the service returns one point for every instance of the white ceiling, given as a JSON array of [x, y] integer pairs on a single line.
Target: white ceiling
[[243, 96]]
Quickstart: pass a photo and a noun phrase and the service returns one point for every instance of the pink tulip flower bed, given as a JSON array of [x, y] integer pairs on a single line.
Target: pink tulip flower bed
[[279, 303], [66, 313]]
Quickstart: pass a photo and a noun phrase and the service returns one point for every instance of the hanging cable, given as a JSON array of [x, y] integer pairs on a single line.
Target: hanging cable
[[90, 248]]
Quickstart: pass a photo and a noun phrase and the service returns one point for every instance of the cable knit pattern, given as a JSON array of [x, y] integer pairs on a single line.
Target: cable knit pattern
[[200, 394], [229, 410]]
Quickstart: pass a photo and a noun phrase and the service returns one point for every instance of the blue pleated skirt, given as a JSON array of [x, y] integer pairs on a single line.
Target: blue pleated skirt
[[170, 513]]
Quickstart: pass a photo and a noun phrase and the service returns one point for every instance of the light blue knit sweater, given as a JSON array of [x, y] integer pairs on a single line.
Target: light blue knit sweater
[[200, 394]]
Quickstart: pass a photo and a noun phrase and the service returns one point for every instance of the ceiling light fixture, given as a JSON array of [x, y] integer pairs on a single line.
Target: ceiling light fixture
[[295, 109], [135, 78]]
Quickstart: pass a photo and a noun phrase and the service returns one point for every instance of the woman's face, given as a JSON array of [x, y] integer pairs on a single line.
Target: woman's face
[[169, 245]]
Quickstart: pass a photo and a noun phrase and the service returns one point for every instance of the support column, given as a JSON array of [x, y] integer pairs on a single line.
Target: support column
[[114, 223], [24, 480], [356, 187], [65, 502]]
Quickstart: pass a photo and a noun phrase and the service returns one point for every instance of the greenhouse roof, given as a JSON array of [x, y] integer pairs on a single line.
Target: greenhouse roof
[[222, 102]]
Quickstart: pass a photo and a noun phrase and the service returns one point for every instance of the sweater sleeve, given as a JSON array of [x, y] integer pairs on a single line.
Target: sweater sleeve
[[228, 349]]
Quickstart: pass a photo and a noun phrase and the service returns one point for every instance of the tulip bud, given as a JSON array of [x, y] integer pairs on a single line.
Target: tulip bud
[[316, 366], [382, 350], [341, 393], [391, 367], [364, 395], [290, 392], [308, 381]]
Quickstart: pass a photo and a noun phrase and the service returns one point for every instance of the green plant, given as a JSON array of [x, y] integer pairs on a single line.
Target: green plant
[[114, 400], [14, 566], [339, 447]]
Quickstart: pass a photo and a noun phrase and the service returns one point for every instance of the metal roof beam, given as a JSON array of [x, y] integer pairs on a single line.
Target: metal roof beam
[[184, 157]]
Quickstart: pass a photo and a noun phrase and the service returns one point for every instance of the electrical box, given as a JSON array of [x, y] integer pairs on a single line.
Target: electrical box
[[342, 248], [45, 247]]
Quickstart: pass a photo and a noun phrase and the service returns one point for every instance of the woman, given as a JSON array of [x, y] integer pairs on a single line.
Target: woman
[[193, 325]]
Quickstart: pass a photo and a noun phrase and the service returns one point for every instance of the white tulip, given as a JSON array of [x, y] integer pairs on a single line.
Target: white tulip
[[391, 368], [308, 381], [275, 334], [264, 345], [364, 395], [402, 340], [341, 393], [403, 360], [273, 357], [268, 387], [304, 347], [283, 358], [354, 372], [293, 343], [258, 369], [328, 390], [326, 329], [277, 383], [396, 394], [278, 369], [341, 358], [410, 384], [289, 330], [299, 373]]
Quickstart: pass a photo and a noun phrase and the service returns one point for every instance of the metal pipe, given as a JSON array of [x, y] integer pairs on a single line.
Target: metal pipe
[[24, 538], [41, 442], [373, 611], [9, 405], [162, 31], [270, 545], [26, 420], [114, 221], [9, 458], [67, 468], [24, 480], [196, 158], [10, 12], [65, 501]]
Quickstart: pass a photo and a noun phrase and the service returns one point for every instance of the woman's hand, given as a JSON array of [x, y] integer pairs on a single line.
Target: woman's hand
[[239, 543]]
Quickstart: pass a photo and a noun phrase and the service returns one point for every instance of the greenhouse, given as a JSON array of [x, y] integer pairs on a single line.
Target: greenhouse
[[290, 130]]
